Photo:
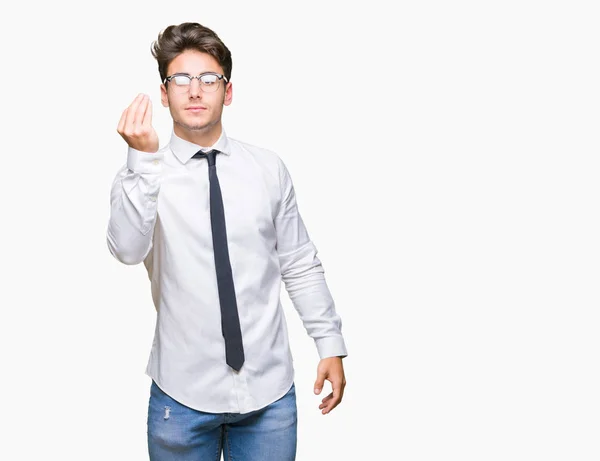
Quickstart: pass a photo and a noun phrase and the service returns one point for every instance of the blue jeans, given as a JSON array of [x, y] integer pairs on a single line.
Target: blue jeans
[[179, 433]]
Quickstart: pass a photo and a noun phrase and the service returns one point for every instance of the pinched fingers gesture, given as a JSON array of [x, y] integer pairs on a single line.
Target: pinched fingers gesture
[[135, 126]]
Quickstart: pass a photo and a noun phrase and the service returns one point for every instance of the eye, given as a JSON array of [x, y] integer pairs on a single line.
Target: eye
[[209, 79], [181, 80]]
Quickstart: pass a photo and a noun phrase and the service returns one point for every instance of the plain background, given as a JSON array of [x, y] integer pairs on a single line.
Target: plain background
[[445, 159]]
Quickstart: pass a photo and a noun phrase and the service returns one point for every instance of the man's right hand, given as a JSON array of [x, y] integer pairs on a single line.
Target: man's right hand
[[135, 125]]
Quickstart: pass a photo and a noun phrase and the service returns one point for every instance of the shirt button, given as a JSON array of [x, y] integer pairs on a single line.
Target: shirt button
[[153, 198], [155, 162]]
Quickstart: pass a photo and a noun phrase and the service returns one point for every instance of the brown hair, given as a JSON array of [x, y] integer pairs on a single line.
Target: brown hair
[[189, 36]]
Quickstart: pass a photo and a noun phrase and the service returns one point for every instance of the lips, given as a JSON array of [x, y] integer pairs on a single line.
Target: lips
[[196, 108]]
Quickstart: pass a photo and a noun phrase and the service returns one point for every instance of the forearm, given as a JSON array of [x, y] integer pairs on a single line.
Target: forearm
[[133, 207], [304, 279]]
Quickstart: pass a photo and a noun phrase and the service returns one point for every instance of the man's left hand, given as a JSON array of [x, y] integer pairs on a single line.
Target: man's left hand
[[330, 369]]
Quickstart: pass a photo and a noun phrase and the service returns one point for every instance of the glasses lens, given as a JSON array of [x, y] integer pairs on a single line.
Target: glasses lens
[[180, 82], [210, 82]]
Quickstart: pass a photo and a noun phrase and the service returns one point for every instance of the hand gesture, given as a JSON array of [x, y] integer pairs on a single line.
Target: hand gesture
[[135, 126]]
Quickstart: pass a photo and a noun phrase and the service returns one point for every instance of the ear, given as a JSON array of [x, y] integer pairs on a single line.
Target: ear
[[228, 94], [164, 98]]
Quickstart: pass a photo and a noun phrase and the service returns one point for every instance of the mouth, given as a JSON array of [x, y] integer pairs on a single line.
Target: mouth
[[196, 109]]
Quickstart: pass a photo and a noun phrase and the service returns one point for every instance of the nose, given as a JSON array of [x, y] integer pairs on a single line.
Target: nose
[[195, 90]]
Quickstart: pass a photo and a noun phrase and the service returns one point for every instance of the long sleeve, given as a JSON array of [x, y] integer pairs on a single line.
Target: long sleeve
[[133, 206], [304, 276]]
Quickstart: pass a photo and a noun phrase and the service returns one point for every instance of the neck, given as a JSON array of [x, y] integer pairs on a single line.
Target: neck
[[205, 136]]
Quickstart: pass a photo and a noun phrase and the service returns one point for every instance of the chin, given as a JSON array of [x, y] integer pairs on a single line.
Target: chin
[[192, 125], [196, 127]]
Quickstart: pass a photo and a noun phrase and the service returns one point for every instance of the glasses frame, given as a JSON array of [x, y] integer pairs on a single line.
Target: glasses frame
[[181, 74]]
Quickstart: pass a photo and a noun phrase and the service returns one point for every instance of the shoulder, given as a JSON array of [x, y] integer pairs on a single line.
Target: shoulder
[[266, 158], [261, 153]]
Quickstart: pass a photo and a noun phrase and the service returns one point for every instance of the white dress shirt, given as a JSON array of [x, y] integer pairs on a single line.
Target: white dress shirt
[[160, 214]]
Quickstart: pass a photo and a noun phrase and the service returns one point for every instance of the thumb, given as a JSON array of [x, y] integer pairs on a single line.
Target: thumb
[[319, 382]]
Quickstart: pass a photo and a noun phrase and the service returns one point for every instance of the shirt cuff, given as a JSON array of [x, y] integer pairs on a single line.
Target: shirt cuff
[[331, 346], [144, 162]]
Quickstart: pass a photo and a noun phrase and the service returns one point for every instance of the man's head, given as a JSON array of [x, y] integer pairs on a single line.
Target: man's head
[[192, 49]]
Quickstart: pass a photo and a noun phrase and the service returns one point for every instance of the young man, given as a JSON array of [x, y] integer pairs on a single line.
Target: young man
[[216, 223]]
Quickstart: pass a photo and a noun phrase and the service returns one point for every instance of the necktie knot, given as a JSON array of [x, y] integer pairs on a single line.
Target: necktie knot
[[210, 155]]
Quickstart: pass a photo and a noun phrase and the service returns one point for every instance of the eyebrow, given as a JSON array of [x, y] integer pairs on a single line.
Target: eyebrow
[[201, 73]]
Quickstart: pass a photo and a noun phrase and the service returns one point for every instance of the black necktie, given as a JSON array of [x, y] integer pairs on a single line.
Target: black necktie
[[230, 322]]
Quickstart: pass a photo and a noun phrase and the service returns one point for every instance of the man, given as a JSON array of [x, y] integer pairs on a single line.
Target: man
[[216, 223]]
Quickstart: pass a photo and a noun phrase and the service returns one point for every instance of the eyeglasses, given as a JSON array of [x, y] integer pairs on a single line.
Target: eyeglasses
[[209, 81]]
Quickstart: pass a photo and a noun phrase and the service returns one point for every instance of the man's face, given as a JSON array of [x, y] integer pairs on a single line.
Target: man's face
[[181, 103]]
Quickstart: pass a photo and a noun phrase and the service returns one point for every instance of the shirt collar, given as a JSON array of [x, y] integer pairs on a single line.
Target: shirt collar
[[185, 150]]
